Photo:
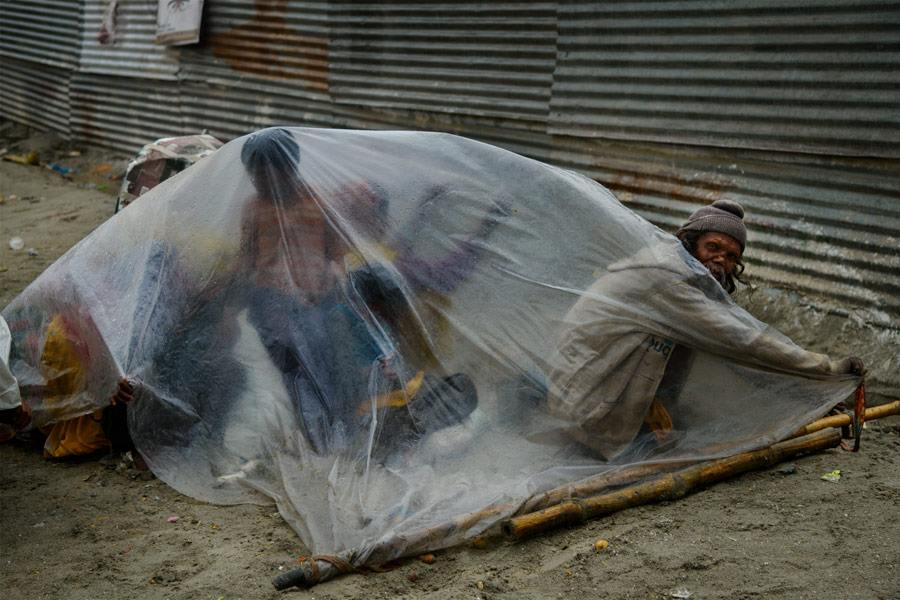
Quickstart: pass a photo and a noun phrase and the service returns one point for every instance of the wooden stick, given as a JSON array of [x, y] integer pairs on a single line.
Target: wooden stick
[[670, 486], [595, 485], [574, 510], [562, 513], [876, 412]]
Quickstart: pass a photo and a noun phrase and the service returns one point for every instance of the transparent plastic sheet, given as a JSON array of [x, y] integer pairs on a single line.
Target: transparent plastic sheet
[[401, 337]]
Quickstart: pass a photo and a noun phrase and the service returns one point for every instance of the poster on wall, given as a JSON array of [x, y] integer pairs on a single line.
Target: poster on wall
[[178, 22]]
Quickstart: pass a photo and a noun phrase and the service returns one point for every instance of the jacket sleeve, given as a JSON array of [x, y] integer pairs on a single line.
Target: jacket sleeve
[[707, 319]]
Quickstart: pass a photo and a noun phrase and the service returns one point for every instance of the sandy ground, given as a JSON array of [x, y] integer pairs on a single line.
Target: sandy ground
[[85, 530]]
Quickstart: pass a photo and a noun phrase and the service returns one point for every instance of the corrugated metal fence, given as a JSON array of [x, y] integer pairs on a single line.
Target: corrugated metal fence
[[798, 75], [791, 107]]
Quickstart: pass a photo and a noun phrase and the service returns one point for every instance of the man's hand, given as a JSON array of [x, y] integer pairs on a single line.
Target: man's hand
[[499, 209], [856, 366], [124, 393], [23, 417], [18, 417], [386, 366]]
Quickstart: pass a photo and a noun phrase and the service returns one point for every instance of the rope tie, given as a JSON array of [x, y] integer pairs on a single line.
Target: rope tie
[[312, 578], [342, 565], [859, 417]]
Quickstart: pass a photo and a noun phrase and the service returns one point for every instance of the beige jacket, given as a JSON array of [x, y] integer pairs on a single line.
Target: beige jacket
[[9, 387], [615, 342]]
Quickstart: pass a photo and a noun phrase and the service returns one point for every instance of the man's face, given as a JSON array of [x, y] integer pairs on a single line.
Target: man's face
[[718, 252], [282, 188]]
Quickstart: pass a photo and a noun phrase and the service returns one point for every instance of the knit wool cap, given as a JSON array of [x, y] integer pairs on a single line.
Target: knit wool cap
[[722, 216]]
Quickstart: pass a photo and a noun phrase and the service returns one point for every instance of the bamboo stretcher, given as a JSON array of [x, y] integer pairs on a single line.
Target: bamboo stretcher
[[668, 487], [577, 503]]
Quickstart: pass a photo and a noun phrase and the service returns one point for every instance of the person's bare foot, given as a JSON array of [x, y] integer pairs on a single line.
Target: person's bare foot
[[139, 463]]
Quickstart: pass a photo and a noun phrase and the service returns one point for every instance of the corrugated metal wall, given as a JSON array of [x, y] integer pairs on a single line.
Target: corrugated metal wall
[[126, 93], [135, 53], [791, 107], [37, 97], [124, 113], [815, 76], [261, 64], [42, 32], [491, 59], [820, 224], [39, 48]]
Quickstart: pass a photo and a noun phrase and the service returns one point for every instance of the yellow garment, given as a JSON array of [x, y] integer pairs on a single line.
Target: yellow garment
[[659, 420], [396, 398], [433, 304], [354, 259], [65, 376], [74, 437]]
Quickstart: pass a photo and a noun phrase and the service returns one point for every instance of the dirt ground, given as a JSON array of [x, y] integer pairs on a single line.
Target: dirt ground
[[86, 530]]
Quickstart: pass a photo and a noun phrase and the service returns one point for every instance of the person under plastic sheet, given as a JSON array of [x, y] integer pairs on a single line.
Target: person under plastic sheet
[[610, 379], [13, 411], [415, 403], [295, 254], [177, 321], [290, 245], [361, 496], [286, 254]]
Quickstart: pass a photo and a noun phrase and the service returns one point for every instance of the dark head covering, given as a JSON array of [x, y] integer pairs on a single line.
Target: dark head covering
[[272, 148], [722, 216]]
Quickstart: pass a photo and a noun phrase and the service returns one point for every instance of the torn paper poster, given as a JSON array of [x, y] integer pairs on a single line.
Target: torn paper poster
[[178, 22], [107, 33]]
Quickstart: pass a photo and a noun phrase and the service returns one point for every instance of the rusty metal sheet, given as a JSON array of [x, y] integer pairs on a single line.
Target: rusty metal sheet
[[525, 138], [279, 45], [38, 98], [45, 32], [233, 108], [123, 114], [669, 104], [466, 58], [135, 53], [822, 225], [817, 77]]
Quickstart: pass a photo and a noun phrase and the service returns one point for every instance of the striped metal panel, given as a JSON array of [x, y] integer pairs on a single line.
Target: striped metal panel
[[38, 98], [822, 225], [135, 53], [260, 64], [45, 32], [231, 109], [525, 138], [647, 97], [123, 114], [467, 58], [278, 47], [816, 76]]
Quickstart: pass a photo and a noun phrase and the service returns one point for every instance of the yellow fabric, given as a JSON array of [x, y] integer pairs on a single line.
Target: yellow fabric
[[659, 420], [434, 305], [354, 260], [74, 437], [396, 398], [64, 375]]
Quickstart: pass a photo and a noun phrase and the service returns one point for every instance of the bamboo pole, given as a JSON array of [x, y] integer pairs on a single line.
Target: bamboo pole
[[316, 571], [671, 486], [561, 513], [595, 485], [565, 511], [876, 412]]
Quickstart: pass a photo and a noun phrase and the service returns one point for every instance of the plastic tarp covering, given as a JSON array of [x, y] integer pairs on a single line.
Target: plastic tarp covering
[[384, 332]]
